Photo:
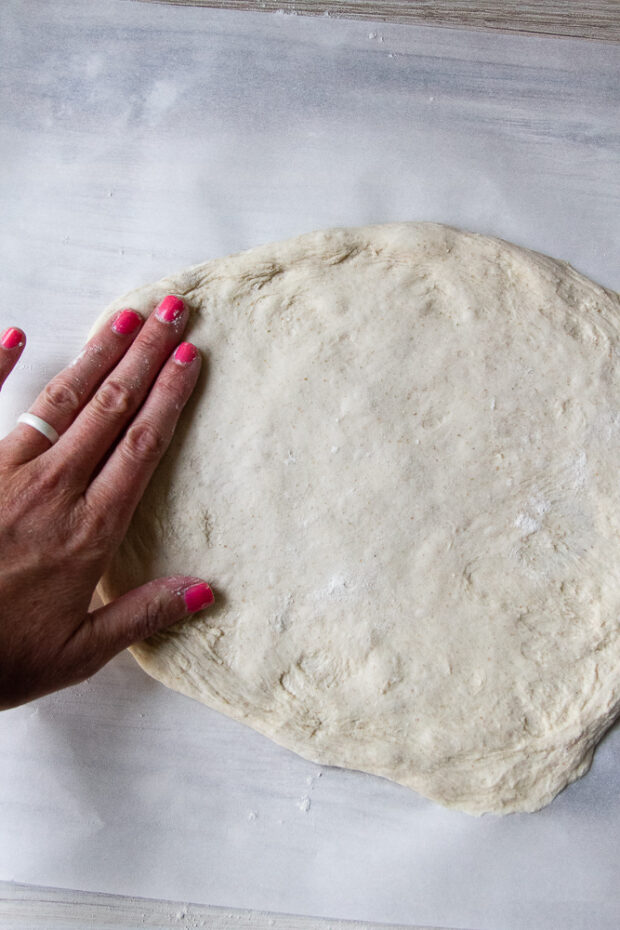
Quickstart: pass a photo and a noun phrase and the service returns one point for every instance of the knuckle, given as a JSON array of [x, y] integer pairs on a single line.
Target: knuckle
[[93, 533], [152, 617], [170, 390], [51, 481], [62, 396], [114, 397], [145, 442], [151, 343], [89, 652]]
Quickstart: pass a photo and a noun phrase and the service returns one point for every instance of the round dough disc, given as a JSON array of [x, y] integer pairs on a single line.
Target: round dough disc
[[400, 473]]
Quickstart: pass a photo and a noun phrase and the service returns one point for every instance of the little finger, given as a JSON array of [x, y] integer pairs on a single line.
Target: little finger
[[12, 344]]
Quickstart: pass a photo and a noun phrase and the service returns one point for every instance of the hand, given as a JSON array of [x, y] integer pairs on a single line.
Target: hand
[[66, 507]]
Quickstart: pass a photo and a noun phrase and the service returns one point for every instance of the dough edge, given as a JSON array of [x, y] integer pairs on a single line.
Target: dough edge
[[341, 242]]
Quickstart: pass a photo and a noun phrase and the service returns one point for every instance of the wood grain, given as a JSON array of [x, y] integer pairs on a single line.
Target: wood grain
[[588, 19], [28, 907]]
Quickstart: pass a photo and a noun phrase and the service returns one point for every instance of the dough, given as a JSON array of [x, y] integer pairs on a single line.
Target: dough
[[400, 473]]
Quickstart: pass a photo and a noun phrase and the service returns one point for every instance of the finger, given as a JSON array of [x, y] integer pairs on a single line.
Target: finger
[[121, 482], [84, 445], [137, 615], [61, 400], [12, 344]]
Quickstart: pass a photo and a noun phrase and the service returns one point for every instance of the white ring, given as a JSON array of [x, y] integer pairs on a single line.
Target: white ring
[[37, 423]]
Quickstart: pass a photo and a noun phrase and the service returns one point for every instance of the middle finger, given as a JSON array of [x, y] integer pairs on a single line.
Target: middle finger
[[90, 437]]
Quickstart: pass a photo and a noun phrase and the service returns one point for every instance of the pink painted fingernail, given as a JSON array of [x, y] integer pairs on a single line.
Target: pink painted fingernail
[[198, 596], [126, 322], [185, 353], [12, 338], [170, 309]]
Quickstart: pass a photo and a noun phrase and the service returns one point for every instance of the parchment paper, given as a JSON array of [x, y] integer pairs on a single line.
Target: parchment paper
[[137, 139]]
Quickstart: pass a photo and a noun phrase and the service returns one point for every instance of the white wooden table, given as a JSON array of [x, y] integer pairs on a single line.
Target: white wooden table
[[24, 907]]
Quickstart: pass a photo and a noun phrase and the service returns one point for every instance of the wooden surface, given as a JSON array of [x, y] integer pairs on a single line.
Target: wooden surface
[[588, 19], [26, 907]]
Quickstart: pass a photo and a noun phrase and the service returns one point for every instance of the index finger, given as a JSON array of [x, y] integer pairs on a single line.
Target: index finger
[[117, 489]]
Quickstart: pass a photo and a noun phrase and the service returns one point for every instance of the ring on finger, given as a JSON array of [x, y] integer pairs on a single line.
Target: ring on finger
[[41, 425]]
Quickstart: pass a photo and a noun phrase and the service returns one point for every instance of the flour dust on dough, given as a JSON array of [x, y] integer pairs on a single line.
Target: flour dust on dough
[[400, 472]]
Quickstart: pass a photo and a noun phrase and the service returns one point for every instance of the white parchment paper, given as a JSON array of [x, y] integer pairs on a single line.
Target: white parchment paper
[[139, 138]]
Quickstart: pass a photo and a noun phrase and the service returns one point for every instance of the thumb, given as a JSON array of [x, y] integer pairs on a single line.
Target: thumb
[[144, 611]]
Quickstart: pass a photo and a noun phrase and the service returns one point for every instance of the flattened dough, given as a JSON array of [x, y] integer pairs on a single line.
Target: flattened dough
[[400, 473]]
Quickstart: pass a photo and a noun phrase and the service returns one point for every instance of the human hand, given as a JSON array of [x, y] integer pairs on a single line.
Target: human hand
[[66, 506]]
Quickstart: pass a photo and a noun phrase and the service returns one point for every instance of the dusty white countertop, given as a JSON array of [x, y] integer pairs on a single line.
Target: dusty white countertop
[[138, 139]]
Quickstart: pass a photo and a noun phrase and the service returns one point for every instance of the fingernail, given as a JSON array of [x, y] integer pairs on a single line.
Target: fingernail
[[185, 353], [170, 309], [12, 337], [126, 322], [198, 596]]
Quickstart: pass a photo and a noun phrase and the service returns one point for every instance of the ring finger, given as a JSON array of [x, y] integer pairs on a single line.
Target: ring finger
[[64, 396]]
